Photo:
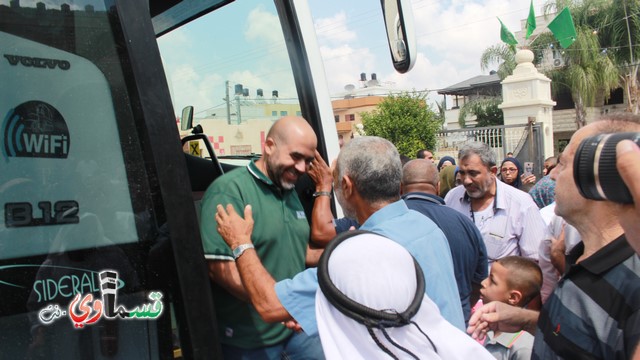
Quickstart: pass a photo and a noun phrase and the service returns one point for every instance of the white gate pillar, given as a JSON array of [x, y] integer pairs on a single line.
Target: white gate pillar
[[527, 93]]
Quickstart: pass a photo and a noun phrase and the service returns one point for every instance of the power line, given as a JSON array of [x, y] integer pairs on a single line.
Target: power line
[[390, 92], [542, 47]]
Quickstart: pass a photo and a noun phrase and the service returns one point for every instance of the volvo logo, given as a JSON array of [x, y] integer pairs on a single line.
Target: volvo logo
[[37, 62], [35, 129]]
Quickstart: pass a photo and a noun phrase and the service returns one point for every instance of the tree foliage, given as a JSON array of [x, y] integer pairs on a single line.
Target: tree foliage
[[619, 32], [615, 25], [588, 70], [406, 120], [486, 111], [502, 54], [605, 55]]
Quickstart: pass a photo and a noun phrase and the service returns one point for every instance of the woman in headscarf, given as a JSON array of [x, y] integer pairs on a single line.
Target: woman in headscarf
[[363, 275], [447, 180], [446, 161], [511, 173]]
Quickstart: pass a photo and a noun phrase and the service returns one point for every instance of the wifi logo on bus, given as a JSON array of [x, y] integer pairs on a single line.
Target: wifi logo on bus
[[35, 129]]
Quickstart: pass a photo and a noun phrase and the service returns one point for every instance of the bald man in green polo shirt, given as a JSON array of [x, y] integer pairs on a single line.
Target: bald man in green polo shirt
[[280, 236]]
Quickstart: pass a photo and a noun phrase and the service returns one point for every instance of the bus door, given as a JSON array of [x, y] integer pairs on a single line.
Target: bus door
[[100, 255]]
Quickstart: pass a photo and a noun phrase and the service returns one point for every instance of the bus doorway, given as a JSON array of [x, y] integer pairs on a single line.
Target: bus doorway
[[100, 252]]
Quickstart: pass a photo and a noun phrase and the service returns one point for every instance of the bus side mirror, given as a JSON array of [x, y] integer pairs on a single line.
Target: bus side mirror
[[186, 121], [398, 21]]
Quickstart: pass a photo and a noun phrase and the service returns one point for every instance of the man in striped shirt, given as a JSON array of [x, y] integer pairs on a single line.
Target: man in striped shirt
[[594, 312]]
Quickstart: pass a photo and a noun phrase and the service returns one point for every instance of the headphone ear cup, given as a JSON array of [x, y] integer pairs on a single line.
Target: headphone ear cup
[[354, 310]]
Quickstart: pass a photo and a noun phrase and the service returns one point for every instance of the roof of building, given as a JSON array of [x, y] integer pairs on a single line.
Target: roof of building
[[472, 85], [375, 89]]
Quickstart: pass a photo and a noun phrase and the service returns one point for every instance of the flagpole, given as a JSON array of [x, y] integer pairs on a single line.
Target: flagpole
[[532, 41]]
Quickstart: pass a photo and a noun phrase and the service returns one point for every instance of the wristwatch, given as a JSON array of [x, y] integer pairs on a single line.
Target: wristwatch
[[322, 193], [240, 249]]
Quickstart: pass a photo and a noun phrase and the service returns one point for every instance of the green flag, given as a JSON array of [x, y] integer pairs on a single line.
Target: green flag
[[531, 21], [506, 36], [563, 29]]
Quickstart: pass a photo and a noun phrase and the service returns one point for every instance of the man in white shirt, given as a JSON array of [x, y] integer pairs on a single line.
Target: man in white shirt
[[551, 258], [508, 218]]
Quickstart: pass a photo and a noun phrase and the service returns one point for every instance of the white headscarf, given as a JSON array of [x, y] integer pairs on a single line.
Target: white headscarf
[[380, 274]]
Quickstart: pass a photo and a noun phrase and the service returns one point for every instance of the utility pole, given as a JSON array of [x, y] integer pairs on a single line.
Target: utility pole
[[226, 99], [238, 106]]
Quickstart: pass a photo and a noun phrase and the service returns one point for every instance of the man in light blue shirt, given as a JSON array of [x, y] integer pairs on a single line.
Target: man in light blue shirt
[[423, 239], [367, 185]]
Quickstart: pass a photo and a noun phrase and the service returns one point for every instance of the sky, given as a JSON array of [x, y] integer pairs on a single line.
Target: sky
[[451, 36], [243, 47]]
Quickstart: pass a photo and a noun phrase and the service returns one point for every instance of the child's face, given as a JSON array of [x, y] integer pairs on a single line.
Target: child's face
[[494, 288]]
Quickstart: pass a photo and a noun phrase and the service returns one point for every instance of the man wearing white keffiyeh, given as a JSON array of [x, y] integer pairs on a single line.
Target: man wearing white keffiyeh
[[378, 278]]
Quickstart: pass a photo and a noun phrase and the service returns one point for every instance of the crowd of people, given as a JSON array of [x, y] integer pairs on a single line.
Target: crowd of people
[[498, 265]]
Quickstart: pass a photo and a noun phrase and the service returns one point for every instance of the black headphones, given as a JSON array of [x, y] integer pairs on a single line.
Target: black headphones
[[370, 318]]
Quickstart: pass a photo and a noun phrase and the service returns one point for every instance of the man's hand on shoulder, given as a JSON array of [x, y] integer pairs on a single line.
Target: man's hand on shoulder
[[257, 283], [234, 229]]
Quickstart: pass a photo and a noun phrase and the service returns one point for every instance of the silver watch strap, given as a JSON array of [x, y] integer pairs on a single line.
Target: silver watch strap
[[240, 250]]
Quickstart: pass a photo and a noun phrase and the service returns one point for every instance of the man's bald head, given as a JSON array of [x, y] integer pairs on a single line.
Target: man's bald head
[[420, 175], [289, 127], [288, 150]]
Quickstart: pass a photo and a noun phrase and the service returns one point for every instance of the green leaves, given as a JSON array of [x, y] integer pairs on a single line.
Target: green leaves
[[406, 121], [502, 54], [486, 111]]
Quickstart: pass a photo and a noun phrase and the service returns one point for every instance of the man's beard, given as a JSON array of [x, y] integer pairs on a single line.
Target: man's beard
[[276, 174], [479, 192], [476, 193]]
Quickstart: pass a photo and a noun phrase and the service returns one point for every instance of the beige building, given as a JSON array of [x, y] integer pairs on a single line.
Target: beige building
[[240, 135], [347, 113], [358, 99]]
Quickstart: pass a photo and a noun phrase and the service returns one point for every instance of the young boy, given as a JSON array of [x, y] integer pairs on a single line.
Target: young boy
[[513, 280]]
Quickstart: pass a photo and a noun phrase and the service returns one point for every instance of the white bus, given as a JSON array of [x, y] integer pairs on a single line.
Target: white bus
[[100, 252]]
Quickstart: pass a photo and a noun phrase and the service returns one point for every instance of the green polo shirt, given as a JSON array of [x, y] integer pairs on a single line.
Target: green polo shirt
[[280, 236]]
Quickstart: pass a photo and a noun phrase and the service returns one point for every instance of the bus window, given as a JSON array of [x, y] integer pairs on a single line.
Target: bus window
[[233, 67], [86, 264]]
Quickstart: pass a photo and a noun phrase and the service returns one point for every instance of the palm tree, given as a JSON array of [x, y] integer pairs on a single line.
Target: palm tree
[[502, 54], [486, 111], [589, 71], [619, 33]]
